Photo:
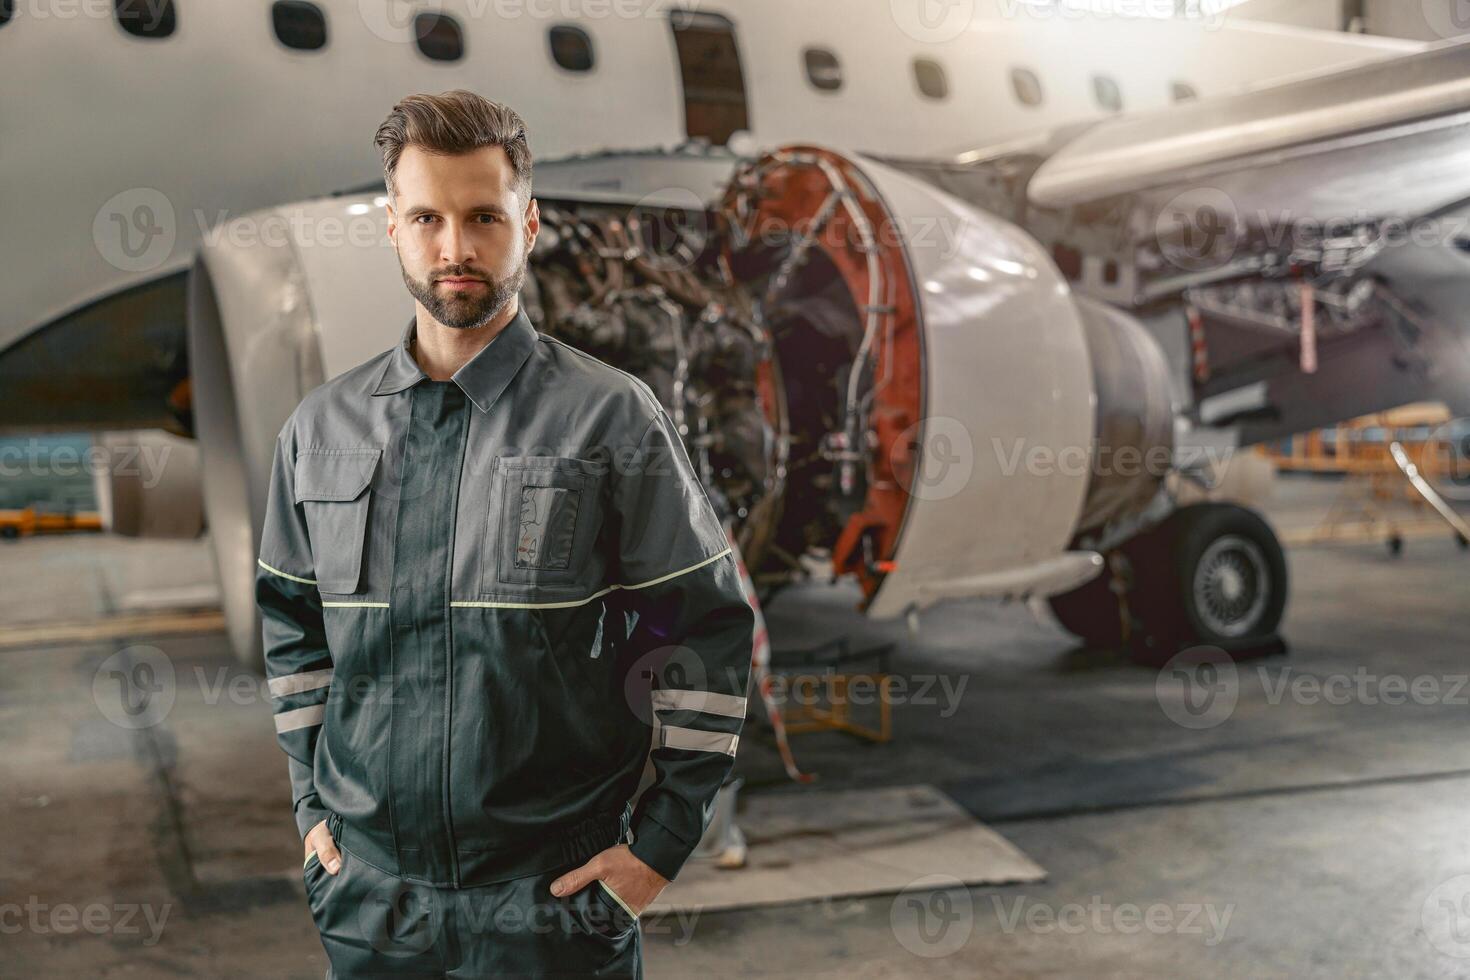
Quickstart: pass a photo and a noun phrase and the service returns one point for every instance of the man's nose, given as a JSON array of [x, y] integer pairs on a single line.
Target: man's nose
[[456, 247]]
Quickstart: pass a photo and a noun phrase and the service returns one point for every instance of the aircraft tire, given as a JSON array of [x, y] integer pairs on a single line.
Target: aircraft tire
[[1212, 574]]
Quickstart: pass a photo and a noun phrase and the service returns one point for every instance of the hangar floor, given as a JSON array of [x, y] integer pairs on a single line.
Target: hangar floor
[[1317, 828]]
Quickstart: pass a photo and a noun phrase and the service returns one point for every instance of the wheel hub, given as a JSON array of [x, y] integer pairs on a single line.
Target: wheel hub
[[1231, 585]]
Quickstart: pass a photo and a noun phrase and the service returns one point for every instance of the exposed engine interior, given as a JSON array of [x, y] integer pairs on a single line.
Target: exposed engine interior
[[643, 292], [750, 350]]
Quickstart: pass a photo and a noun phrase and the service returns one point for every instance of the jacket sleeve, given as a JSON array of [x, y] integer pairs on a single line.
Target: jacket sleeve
[[298, 665], [685, 599]]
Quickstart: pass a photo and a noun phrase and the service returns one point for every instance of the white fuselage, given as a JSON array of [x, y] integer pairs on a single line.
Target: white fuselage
[[121, 153]]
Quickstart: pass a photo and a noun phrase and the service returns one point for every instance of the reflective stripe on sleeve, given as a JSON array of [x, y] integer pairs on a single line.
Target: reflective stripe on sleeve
[[682, 571], [310, 680], [277, 571], [290, 721], [715, 704], [692, 738]]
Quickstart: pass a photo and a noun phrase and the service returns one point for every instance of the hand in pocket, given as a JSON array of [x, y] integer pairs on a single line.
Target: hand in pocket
[[319, 841]]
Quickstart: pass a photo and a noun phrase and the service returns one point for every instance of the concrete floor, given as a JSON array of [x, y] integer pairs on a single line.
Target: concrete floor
[[1314, 829]]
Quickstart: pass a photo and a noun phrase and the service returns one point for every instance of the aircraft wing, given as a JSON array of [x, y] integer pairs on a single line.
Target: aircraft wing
[[1392, 137]]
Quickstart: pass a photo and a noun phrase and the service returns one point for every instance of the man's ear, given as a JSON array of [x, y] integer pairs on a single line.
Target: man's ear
[[392, 223], [532, 222]]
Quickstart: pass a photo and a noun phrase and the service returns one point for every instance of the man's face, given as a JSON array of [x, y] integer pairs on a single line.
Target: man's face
[[461, 233]]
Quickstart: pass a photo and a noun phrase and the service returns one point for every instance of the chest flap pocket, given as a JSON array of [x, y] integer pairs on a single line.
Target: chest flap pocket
[[332, 487], [543, 516]]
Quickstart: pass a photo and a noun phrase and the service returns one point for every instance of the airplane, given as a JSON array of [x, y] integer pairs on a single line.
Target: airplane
[[882, 263]]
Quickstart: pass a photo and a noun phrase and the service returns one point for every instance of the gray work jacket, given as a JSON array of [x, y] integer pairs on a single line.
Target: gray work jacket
[[484, 600]]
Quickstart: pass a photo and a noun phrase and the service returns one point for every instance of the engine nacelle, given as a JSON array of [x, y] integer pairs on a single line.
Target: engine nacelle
[[1133, 438], [149, 486], [979, 381]]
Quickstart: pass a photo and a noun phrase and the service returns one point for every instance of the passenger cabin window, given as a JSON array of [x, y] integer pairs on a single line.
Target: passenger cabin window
[[439, 37], [299, 25], [1107, 93], [7, 8], [715, 105], [146, 18], [1027, 86], [571, 48], [931, 80], [822, 69], [1184, 92]]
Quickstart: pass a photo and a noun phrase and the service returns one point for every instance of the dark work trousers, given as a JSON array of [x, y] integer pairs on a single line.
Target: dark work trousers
[[374, 924]]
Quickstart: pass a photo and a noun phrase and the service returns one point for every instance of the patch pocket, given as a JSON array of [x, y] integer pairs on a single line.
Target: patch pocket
[[332, 489], [542, 518]]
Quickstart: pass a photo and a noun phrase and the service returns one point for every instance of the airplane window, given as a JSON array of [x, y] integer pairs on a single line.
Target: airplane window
[[1107, 93], [571, 48], [146, 18], [299, 25], [1183, 92], [822, 69], [930, 76], [7, 8], [439, 36], [1027, 86]]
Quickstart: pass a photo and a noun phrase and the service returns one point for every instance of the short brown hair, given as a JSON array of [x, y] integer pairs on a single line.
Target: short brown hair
[[458, 121]]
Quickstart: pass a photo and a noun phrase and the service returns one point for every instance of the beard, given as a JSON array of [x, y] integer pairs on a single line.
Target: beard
[[465, 310]]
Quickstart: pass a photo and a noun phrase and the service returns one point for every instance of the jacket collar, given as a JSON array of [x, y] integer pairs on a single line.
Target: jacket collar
[[482, 378]]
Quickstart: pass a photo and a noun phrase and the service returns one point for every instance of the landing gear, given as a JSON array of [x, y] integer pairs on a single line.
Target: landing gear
[[1093, 612], [1211, 574]]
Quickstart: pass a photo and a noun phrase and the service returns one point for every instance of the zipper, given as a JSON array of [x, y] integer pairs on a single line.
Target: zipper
[[464, 441]]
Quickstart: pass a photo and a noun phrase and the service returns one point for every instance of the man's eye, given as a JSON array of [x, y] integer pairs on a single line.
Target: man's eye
[[489, 217], [424, 217]]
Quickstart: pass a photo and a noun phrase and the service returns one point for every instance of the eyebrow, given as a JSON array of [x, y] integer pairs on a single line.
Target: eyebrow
[[419, 209]]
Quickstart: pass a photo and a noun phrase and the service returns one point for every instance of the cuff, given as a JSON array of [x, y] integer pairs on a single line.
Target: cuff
[[309, 813], [657, 846]]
